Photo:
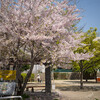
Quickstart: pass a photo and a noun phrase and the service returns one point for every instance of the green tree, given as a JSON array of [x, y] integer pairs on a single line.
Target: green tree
[[25, 67], [91, 46]]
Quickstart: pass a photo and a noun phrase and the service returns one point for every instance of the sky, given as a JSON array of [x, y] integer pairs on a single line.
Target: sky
[[90, 12]]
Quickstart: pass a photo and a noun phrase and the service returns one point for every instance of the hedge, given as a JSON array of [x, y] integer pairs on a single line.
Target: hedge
[[30, 79]]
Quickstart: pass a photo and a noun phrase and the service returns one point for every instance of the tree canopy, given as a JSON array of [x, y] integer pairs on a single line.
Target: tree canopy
[[40, 30]]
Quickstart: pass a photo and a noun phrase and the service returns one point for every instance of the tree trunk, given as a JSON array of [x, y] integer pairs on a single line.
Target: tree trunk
[[29, 72], [81, 75], [86, 76], [20, 86], [86, 80], [48, 79], [27, 78], [95, 76], [19, 80]]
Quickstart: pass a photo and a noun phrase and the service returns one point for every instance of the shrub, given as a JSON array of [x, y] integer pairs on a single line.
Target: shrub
[[63, 75], [56, 75], [31, 78], [24, 96], [23, 75]]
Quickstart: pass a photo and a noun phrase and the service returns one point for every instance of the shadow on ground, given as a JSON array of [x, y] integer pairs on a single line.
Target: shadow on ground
[[88, 82], [77, 88], [42, 96]]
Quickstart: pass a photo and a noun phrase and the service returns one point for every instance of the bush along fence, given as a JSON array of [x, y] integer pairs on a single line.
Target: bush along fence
[[31, 79]]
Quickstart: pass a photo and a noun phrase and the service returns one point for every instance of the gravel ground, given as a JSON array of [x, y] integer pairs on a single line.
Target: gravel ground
[[70, 90]]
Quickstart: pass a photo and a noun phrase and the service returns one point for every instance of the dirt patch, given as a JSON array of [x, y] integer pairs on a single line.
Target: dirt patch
[[77, 88], [70, 90]]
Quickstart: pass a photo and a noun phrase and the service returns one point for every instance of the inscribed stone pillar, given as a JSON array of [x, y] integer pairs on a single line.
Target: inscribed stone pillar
[[48, 79]]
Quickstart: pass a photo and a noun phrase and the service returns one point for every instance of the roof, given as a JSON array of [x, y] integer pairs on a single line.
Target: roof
[[63, 70]]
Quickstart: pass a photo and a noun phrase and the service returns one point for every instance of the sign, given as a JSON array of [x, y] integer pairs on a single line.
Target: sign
[[7, 88], [8, 74]]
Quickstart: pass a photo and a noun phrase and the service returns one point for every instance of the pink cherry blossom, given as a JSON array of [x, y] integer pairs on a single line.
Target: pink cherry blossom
[[45, 22]]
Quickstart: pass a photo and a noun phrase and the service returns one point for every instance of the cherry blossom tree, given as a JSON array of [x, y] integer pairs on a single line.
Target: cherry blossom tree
[[43, 27], [67, 48]]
